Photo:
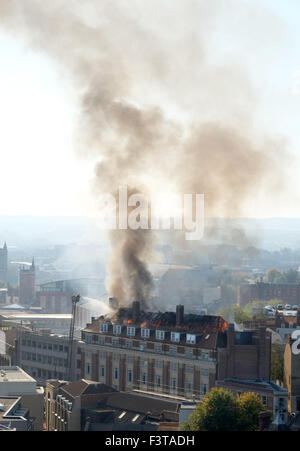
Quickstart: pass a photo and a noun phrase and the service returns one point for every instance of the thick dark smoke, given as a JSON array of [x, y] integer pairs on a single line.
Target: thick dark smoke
[[123, 57]]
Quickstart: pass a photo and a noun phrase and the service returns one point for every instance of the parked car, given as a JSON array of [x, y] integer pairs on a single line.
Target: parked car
[[288, 307], [279, 307], [295, 307]]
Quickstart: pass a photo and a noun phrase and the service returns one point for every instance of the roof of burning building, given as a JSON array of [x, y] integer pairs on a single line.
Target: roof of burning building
[[192, 323], [209, 329]]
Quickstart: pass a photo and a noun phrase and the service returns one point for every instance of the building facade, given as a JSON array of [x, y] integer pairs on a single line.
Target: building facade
[[3, 263], [287, 293], [273, 397], [247, 354], [27, 284], [92, 406], [16, 382], [45, 356]]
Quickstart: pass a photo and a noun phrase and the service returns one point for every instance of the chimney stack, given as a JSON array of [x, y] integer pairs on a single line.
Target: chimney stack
[[136, 308], [179, 315]]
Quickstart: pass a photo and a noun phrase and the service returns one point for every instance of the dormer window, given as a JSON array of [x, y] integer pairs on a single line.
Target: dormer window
[[103, 327], [175, 336], [117, 329], [160, 334], [145, 333], [191, 339], [131, 331]]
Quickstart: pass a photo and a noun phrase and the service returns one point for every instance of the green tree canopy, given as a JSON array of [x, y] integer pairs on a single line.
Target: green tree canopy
[[274, 276], [221, 411], [249, 407], [217, 412]]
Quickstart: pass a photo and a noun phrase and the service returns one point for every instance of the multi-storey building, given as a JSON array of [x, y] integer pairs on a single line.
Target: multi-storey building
[[90, 406], [27, 284], [287, 293], [274, 397], [172, 353], [3, 263], [14, 382], [45, 355], [160, 352]]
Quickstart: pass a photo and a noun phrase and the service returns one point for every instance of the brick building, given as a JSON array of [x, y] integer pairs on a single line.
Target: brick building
[[27, 284], [247, 354], [92, 406], [170, 352], [274, 397], [287, 293]]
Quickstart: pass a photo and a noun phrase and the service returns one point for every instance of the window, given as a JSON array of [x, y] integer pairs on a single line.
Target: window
[[102, 371], [174, 366], [102, 355], [175, 336], [103, 327], [160, 334], [144, 378], [116, 373], [157, 348], [129, 376], [158, 381], [173, 383], [116, 357], [264, 400], [131, 331], [203, 389], [88, 368], [159, 364], [117, 329], [145, 333], [173, 350], [191, 339]]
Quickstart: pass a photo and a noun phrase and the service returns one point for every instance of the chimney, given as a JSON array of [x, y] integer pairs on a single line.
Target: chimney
[[113, 303], [179, 315], [136, 308]]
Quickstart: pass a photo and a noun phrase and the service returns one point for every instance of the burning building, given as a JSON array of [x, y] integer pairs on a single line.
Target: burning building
[[171, 353]]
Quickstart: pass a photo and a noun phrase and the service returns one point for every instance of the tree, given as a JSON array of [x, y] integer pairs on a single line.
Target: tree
[[274, 276], [277, 363], [241, 315], [249, 408], [217, 412], [290, 276], [221, 411]]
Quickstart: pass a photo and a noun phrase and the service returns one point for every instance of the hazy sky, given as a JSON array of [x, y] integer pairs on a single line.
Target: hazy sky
[[40, 173]]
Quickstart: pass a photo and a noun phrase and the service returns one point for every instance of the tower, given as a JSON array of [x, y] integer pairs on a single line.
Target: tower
[[3, 264], [27, 284]]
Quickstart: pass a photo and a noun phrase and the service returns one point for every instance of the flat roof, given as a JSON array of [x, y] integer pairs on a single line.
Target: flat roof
[[8, 403], [14, 374], [37, 316]]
